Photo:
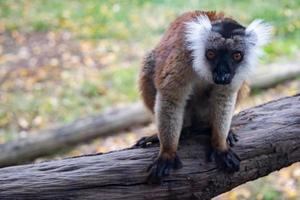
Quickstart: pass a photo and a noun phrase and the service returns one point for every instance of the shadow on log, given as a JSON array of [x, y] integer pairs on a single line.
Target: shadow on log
[[269, 139]]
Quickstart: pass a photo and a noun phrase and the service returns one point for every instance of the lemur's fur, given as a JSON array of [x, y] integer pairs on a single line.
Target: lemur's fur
[[176, 88]]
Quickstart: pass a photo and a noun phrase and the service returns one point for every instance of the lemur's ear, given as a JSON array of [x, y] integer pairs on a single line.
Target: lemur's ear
[[197, 31], [259, 32]]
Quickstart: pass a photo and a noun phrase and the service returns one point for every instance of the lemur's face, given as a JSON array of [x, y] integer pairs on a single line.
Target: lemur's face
[[225, 50]]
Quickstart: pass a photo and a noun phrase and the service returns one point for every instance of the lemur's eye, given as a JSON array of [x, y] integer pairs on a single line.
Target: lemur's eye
[[237, 56], [210, 54]]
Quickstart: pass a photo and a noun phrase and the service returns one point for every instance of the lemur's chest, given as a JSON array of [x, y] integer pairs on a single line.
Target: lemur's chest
[[201, 92], [198, 107]]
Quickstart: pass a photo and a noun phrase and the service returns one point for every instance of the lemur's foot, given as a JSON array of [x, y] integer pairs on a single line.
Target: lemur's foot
[[232, 138], [162, 166], [226, 160], [146, 141]]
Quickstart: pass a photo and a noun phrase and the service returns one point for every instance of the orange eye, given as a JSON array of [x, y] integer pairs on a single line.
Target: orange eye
[[237, 56], [210, 55]]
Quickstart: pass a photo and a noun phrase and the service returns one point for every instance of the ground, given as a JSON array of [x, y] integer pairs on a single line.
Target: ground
[[60, 61]]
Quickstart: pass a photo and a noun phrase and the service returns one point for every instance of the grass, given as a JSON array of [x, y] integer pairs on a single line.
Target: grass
[[132, 21]]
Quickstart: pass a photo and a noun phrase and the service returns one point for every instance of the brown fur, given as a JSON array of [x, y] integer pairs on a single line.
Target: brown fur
[[158, 65]]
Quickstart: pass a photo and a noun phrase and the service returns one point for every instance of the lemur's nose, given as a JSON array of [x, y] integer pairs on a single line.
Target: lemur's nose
[[226, 77], [222, 79]]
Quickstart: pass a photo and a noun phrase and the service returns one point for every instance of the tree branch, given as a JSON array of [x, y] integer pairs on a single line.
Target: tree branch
[[269, 139]]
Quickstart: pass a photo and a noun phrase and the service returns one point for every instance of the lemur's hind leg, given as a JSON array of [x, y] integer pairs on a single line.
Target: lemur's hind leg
[[232, 138], [146, 84], [147, 141]]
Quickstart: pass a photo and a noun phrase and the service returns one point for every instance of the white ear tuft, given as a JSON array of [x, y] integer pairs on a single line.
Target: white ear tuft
[[259, 32], [197, 31]]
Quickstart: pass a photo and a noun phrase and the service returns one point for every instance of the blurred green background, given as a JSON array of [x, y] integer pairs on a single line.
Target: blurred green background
[[63, 60]]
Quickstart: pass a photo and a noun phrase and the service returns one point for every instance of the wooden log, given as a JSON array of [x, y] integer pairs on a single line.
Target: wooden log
[[269, 139], [50, 141], [274, 73]]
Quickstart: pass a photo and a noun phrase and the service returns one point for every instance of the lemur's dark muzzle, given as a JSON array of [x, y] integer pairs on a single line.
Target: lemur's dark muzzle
[[222, 75], [223, 79]]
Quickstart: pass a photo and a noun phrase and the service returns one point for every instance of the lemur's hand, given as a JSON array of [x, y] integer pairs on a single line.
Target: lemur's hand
[[226, 160], [162, 166]]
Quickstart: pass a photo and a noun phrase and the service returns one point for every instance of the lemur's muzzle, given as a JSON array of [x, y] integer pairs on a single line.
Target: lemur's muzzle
[[223, 79], [222, 75]]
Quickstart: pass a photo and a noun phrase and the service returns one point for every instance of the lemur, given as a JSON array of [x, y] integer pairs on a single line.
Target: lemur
[[196, 75]]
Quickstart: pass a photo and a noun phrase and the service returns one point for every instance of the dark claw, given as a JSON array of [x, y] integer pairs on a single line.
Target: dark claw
[[146, 141], [227, 161], [161, 167], [232, 138]]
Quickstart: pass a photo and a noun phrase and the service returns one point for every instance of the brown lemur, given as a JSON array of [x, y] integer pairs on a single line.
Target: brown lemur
[[196, 75]]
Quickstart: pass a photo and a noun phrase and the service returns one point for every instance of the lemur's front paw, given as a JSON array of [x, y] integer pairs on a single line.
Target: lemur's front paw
[[232, 138], [161, 167], [226, 160]]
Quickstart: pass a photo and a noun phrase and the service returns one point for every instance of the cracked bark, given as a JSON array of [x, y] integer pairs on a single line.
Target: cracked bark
[[269, 139]]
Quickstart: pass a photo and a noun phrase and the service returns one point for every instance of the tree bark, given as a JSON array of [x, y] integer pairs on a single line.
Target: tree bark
[[269, 139]]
